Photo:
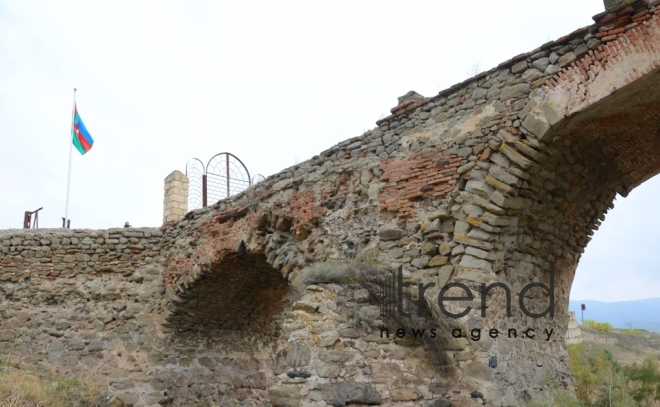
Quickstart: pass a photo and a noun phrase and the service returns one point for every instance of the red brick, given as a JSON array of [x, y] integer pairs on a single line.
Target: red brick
[[640, 14], [608, 18], [625, 11]]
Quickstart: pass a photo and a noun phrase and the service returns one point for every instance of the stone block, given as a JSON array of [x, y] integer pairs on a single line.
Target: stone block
[[536, 125], [479, 187], [515, 91], [390, 234], [519, 67], [566, 59], [468, 261], [343, 393], [284, 396], [515, 156], [328, 370], [404, 394]]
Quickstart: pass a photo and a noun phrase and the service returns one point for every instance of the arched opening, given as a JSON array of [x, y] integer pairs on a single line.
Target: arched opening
[[242, 292], [576, 171], [619, 263], [609, 148], [222, 331]]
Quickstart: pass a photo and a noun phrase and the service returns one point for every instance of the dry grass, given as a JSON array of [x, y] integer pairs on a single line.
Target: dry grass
[[365, 267], [23, 388]]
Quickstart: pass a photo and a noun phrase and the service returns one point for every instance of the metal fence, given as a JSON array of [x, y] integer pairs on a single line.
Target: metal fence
[[223, 176]]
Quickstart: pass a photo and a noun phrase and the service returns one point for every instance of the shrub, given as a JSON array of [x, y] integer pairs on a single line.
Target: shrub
[[633, 332], [598, 326], [365, 267], [644, 382]]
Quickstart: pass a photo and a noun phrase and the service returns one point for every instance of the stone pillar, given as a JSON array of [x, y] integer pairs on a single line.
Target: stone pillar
[[573, 333], [175, 204]]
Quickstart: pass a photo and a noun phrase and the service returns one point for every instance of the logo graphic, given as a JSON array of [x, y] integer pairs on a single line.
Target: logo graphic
[[392, 298]]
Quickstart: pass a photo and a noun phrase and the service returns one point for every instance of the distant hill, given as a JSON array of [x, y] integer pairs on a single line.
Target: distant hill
[[642, 314]]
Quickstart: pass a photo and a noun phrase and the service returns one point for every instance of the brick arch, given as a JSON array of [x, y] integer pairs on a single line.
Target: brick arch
[[591, 131], [609, 148], [587, 143], [554, 179], [230, 272], [242, 292]]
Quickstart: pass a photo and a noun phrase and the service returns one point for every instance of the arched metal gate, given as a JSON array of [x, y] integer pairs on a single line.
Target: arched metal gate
[[223, 176]]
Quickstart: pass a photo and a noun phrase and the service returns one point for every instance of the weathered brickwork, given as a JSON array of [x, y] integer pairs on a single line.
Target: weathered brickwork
[[305, 212], [496, 179], [423, 174], [625, 36]]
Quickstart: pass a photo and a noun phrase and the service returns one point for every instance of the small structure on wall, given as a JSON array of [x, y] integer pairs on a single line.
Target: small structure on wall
[[203, 185], [223, 176], [573, 333], [31, 219], [175, 202]]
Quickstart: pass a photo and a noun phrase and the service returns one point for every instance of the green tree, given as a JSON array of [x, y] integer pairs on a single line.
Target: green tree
[[599, 379], [593, 371], [644, 382]]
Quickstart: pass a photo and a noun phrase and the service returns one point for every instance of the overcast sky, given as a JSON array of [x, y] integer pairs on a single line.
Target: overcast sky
[[273, 82]]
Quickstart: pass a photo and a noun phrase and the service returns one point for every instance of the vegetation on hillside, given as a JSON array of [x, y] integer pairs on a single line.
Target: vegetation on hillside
[[633, 332], [24, 388], [598, 326], [602, 382]]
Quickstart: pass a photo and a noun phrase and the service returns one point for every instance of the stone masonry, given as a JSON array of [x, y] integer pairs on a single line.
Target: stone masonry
[[499, 179], [175, 203]]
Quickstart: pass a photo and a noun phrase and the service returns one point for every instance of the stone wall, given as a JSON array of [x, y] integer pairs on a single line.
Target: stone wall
[[80, 302], [88, 304], [91, 304], [495, 180]]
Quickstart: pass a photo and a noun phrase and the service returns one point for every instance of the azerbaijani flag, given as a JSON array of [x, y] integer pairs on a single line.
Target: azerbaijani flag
[[82, 140]]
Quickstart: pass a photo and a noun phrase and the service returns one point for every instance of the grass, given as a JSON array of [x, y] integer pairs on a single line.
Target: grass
[[364, 268], [26, 388], [633, 332]]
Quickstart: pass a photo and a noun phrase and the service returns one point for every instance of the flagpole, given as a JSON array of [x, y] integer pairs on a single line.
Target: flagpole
[[68, 182]]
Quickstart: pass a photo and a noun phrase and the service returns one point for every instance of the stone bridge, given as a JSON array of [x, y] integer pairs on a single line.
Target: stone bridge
[[500, 179]]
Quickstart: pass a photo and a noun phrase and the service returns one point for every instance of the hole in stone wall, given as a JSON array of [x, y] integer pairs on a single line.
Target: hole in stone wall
[[242, 293], [609, 148], [620, 264]]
